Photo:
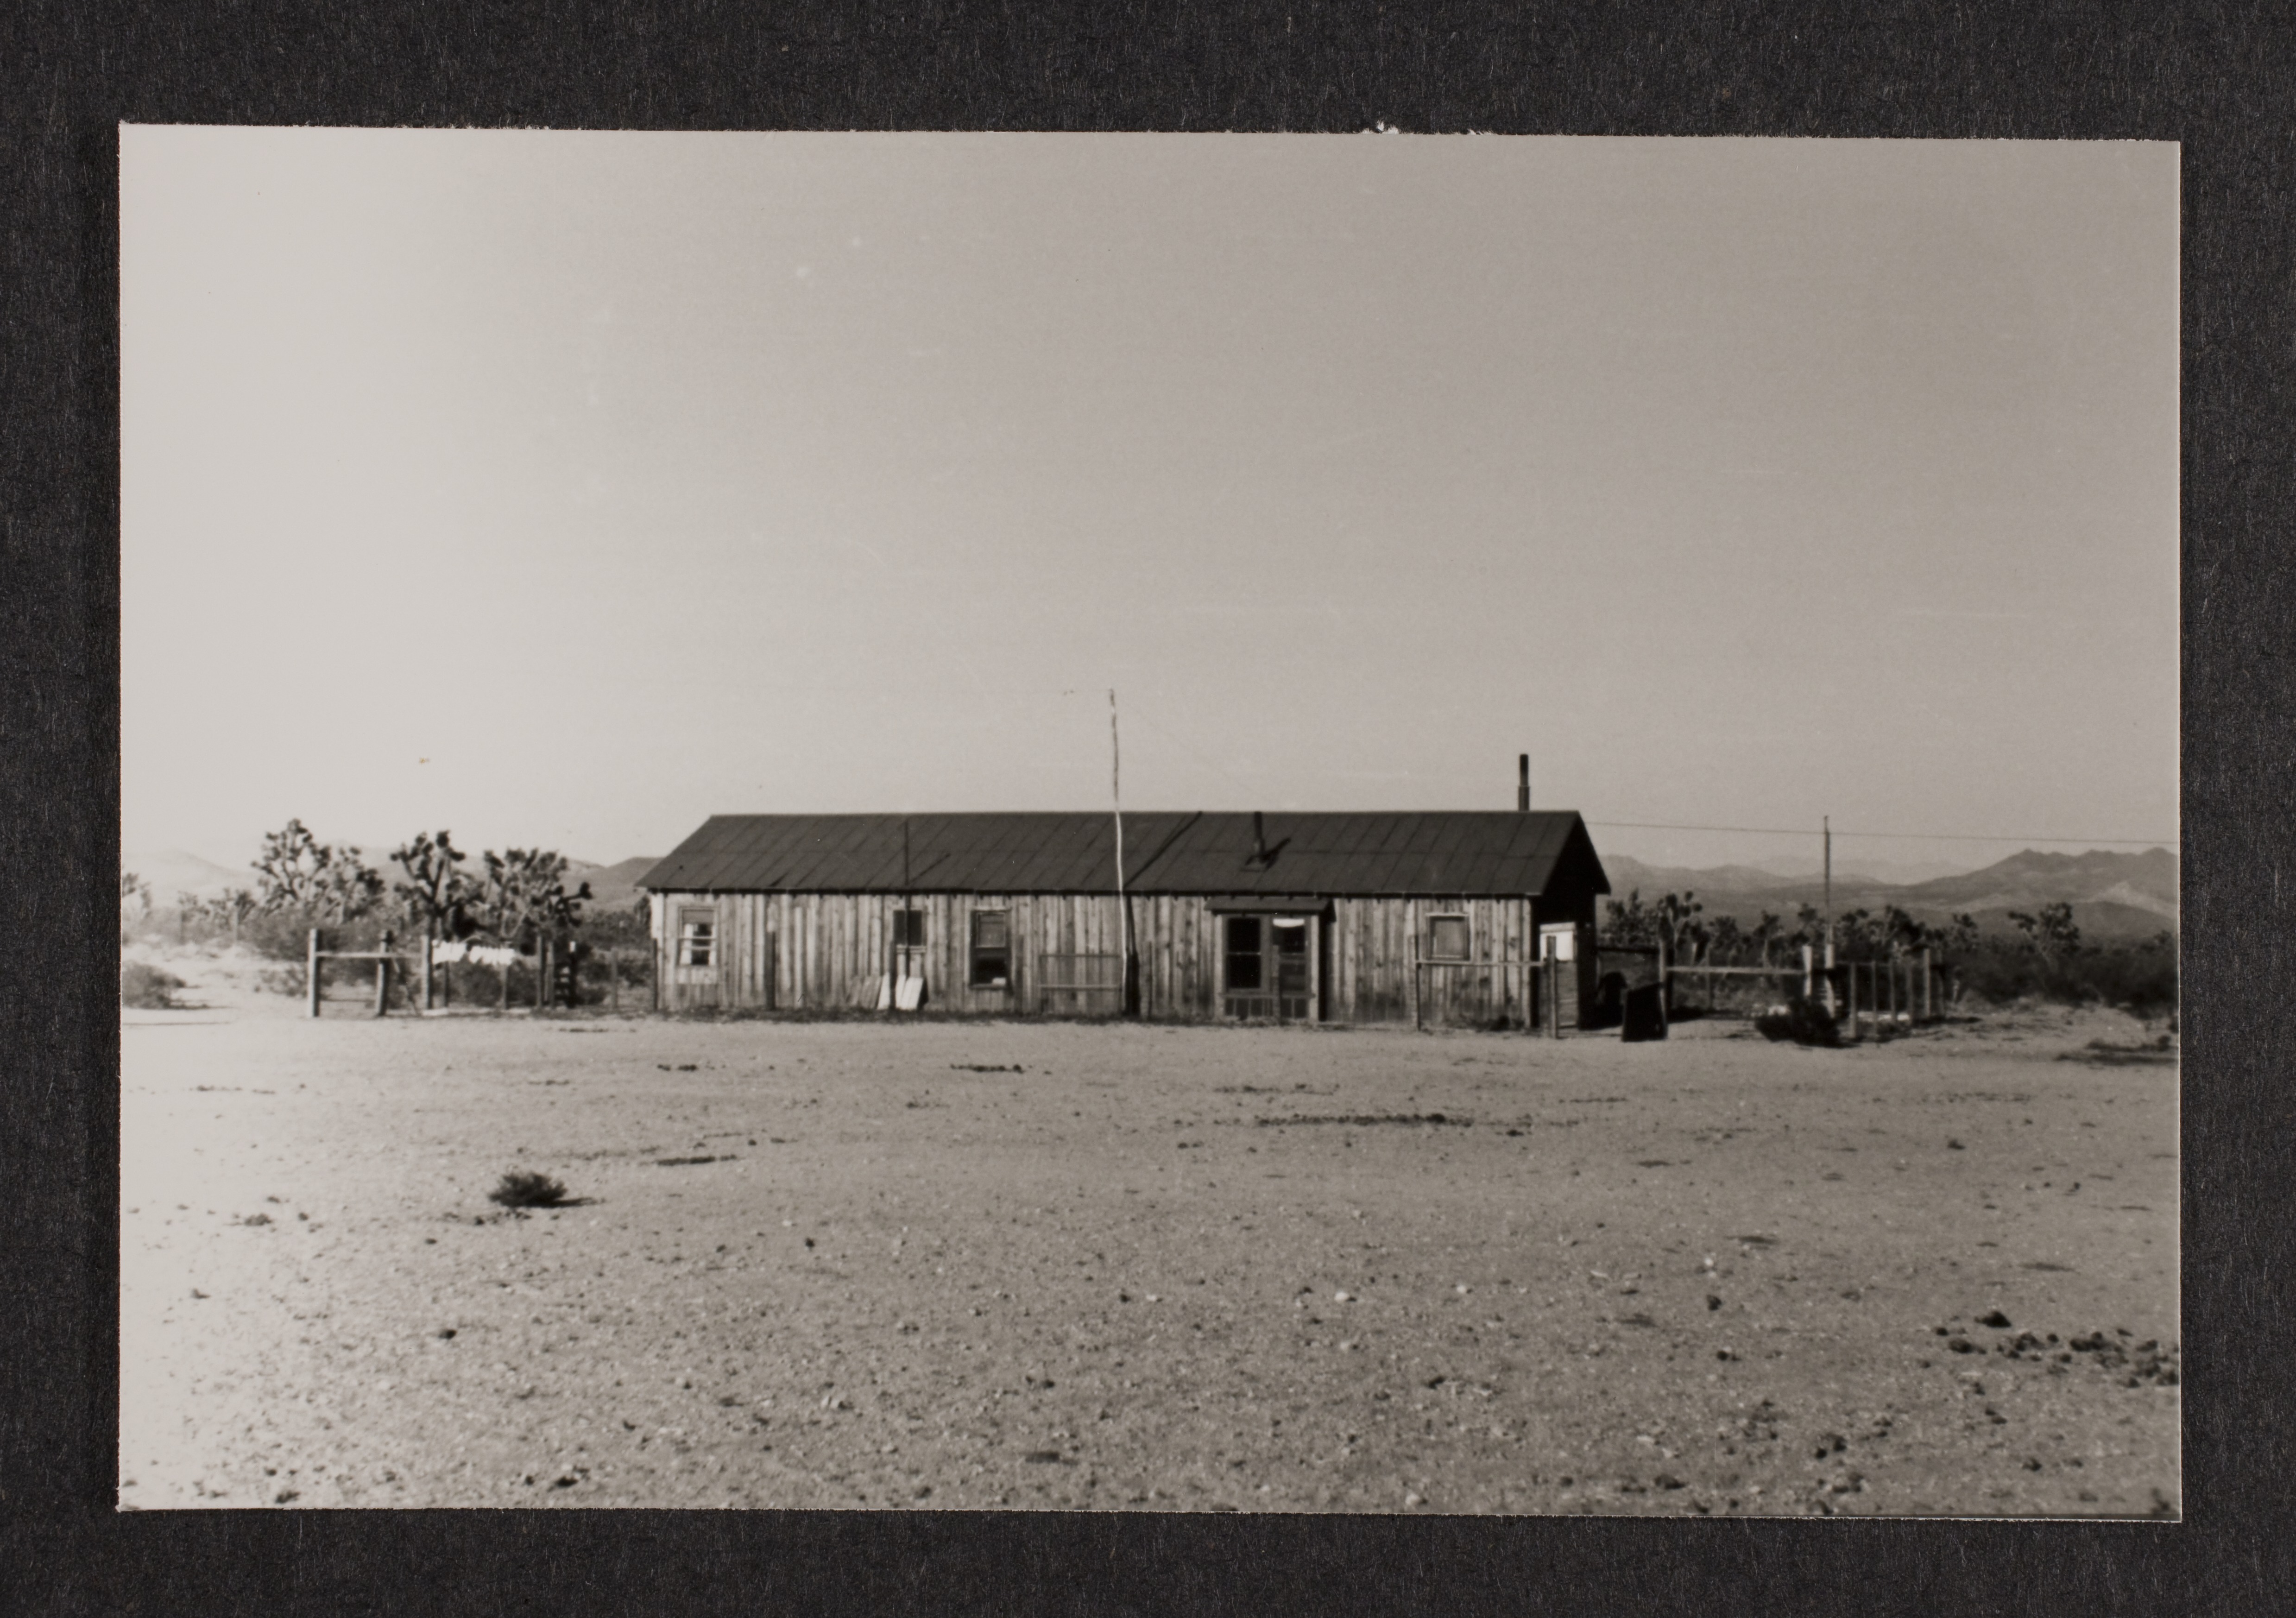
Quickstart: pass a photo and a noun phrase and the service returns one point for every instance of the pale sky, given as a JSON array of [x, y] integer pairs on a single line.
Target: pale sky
[[567, 489]]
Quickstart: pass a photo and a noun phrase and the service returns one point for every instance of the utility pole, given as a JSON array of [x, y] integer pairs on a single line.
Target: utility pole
[[1115, 802], [1828, 821]]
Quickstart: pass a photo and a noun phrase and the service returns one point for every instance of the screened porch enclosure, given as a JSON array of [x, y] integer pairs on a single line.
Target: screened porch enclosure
[[1269, 967]]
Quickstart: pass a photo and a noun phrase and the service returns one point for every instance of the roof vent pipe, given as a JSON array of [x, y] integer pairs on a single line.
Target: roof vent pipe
[[1258, 840], [1523, 783]]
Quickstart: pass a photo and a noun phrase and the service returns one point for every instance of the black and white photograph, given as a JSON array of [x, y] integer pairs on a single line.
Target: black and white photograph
[[1385, 822]]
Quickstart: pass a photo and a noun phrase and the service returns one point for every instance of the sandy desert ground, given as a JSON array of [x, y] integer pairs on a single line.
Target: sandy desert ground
[[981, 1265]]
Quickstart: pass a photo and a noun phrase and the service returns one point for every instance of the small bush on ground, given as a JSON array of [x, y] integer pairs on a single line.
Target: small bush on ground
[[1805, 1021], [146, 987], [520, 1188]]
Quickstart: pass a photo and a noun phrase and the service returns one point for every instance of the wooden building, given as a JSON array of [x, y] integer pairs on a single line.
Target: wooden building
[[1471, 917]]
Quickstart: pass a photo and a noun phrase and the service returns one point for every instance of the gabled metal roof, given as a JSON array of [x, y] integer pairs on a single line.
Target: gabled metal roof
[[1477, 852]]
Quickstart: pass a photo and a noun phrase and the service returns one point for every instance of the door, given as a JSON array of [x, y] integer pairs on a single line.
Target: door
[[904, 986], [1243, 967], [1268, 967], [1563, 964], [1295, 982], [696, 971]]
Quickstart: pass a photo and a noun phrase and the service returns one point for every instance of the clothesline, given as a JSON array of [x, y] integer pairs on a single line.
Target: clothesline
[[483, 955]]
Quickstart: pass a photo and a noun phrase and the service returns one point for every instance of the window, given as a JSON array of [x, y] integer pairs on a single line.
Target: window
[[1243, 959], [908, 929], [1448, 939], [992, 949], [697, 936]]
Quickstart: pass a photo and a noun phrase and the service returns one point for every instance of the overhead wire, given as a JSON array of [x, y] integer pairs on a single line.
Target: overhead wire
[[1783, 831]]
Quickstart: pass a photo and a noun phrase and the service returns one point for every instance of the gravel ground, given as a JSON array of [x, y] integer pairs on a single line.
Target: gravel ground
[[980, 1266]]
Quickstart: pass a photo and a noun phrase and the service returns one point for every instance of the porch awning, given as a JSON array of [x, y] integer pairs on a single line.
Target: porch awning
[[1268, 904]]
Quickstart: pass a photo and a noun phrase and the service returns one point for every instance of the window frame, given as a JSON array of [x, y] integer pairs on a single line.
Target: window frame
[[979, 955], [1466, 951], [908, 919], [1257, 955], [696, 925]]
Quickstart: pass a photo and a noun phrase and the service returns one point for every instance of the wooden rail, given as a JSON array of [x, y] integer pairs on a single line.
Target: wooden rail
[[419, 961], [383, 959], [1897, 989]]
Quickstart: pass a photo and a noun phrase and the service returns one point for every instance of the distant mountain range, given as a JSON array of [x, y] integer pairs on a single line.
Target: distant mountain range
[[170, 872], [611, 887], [2113, 895]]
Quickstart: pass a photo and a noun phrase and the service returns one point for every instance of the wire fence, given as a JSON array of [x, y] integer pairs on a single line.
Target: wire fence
[[430, 977]]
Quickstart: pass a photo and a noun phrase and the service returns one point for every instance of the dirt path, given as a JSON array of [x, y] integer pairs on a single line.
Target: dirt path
[[1003, 1265]]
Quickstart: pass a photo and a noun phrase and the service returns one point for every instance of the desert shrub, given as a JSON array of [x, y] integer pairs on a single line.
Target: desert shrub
[[280, 935], [2141, 978], [285, 934], [146, 987], [522, 1188], [628, 926]]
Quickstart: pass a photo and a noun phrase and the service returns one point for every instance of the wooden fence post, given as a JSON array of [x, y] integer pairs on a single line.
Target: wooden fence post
[[425, 968], [383, 975], [1929, 989], [311, 970], [614, 978]]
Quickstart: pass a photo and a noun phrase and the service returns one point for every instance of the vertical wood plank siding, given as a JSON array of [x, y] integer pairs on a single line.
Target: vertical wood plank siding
[[820, 951]]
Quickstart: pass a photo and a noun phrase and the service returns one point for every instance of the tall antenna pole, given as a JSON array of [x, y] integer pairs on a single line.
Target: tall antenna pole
[[1116, 800]]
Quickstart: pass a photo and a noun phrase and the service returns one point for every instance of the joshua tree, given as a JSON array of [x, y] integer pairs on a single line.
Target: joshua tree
[[524, 892], [437, 888], [287, 870], [232, 908], [348, 887], [1673, 919], [299, 873], [2051, 934]]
